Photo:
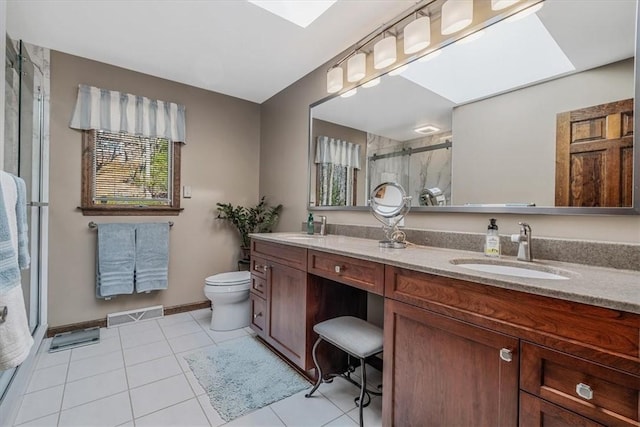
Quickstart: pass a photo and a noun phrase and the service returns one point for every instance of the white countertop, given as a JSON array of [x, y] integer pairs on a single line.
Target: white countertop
[[603, 287]]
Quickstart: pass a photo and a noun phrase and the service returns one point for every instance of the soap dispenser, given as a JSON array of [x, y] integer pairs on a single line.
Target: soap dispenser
[[492, 240], [310, 228]]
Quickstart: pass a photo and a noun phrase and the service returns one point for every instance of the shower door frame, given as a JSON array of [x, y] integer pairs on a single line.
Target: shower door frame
[[11, 395]]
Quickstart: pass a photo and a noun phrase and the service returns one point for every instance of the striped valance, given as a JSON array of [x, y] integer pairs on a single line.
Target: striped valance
[[337, 152], [112, 111]]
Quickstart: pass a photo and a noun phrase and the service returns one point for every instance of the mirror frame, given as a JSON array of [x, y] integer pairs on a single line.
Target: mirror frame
[[532, 210]]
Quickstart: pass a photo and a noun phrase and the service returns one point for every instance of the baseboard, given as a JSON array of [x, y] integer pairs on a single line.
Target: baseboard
[[102, 323]]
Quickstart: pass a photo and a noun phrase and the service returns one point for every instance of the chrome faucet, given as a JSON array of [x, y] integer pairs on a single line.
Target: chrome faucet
[[524, 240], [323, 225]]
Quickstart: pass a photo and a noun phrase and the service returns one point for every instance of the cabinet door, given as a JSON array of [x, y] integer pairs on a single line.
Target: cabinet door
[[287, 310], [439, 371], [535, 412]]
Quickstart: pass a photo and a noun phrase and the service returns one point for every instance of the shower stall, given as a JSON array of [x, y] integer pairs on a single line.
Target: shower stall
[[25, 153]]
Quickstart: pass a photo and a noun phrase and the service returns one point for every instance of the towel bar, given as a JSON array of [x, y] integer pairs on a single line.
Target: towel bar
[[94, 226]]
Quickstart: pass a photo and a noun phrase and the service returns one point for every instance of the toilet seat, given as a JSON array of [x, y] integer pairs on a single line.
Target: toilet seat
[[233, 281]]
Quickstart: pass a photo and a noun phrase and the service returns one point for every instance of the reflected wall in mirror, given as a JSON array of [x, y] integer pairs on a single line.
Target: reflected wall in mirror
[[492, 116]]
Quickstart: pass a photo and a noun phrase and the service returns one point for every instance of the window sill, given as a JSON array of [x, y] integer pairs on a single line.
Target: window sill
[[129, 211]]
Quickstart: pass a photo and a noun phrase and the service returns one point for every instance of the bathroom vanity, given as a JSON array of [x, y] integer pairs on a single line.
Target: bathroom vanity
[[462, 347]]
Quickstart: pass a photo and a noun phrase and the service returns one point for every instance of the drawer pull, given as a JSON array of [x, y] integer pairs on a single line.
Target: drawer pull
[[261, 267], [506, 354], [584, 391], [255, 316], [338, 269]]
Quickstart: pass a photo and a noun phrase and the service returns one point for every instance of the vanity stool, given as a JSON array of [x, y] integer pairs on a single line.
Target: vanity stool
[[355, 337]]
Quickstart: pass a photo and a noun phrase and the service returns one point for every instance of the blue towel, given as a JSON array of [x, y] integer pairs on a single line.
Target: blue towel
[[10, 262], [23, 228], [152, 256], [115, 259]]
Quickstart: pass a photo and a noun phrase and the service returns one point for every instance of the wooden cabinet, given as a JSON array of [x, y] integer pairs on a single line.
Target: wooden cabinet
[[579, 364], [599, 392], [456, 352], [355, 272], [444, 372], [286, 302], [536, 412]]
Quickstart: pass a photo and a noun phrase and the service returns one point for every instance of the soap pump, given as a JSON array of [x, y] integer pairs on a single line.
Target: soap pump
[[492, 240], [310, 227]]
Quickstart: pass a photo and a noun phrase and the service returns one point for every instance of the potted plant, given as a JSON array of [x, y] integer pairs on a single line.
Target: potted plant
[[257, 219]]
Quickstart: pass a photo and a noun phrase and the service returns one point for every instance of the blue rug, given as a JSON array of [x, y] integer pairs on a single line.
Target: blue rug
[[243, 375]]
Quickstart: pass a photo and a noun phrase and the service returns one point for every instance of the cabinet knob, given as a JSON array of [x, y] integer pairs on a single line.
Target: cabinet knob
[[506, 354], [338, 269], [255, 316], [584, 391]]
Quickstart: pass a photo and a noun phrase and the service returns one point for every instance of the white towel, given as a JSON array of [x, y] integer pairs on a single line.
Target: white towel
[[15, 337]]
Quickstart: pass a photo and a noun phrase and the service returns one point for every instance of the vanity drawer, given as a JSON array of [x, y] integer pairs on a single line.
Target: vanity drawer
[[589, 389], [259, 268], [291, 256], [258, 314], [355, 272], [258, 286]]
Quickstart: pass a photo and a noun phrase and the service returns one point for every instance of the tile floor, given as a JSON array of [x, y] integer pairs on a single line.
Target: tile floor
[[136, 376]]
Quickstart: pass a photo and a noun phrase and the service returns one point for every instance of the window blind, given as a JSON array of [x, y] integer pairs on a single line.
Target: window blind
[[130, 169]]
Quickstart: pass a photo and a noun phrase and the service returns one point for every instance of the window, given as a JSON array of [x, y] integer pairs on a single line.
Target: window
[[125, 173]]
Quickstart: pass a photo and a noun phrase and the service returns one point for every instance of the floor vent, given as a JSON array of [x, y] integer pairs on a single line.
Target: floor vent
[[134, 316]]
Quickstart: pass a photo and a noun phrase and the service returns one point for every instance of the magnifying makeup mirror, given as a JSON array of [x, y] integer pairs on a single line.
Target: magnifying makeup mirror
[[389, 204]]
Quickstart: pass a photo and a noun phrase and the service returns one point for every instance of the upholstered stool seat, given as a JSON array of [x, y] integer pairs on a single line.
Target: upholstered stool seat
[[355, 337]]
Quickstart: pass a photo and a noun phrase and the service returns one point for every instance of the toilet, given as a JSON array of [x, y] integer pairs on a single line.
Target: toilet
[[229, 295]]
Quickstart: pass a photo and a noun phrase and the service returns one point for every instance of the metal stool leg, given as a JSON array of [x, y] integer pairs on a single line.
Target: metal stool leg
[[315, 362], [363, 387]]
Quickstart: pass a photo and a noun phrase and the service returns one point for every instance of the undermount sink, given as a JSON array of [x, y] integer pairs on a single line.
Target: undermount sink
[[513, 268]]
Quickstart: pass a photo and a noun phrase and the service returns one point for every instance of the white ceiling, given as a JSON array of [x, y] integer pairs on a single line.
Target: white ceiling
[[226, 46]]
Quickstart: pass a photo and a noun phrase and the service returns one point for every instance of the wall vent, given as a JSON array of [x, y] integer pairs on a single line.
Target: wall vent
[[134, 316]]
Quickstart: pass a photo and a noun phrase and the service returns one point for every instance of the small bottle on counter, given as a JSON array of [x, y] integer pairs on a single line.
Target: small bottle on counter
[[310, 227], [492, 240]]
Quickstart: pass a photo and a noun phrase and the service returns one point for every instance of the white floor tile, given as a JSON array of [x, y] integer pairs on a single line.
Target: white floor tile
[[142, 326], [174, 318], [47, 377], [47, 359], [160, 394], [201, 315], [108, 333], [146, 352], [187, 413], [153, 370], [110, 411], [372, 414], [263, 417], [94, 388], [343, 421], [106, 345], [182, 328], [193, 382], [212, 415], [298, 410], [141, 338], [221, 336], [89, 367], [189, 342], [40, 403], [49, 421], [341, 393], [128, 424]]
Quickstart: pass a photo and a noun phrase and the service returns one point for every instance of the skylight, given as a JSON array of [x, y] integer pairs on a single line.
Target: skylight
[[509, 55], [301, 13]]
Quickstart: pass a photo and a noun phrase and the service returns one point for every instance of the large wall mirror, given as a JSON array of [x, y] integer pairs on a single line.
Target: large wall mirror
[[534, 116]]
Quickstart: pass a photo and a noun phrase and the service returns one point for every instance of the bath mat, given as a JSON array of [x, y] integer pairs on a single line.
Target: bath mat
[[243, 375]]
